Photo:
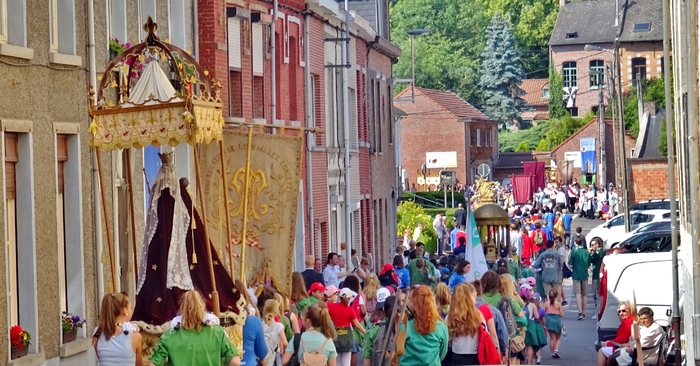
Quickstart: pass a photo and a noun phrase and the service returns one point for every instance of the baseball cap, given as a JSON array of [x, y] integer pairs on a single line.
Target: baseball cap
[[316, 286], [531, 281], [382, 294], [330, 290], [346, 292], [386, 268]]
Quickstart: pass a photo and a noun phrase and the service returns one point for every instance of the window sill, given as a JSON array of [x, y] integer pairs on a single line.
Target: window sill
[[16, 51], [33, 359], [63, 59], [75, 347]]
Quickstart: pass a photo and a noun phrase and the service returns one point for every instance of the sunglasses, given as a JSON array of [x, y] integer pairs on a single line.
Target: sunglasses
[[621, 311]]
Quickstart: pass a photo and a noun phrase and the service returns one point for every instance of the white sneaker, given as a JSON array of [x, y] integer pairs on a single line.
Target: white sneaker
[[594, 317]]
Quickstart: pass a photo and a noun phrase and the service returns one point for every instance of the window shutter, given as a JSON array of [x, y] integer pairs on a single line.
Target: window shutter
[[61, 157], [234, 42], [11, 158], [258, 49], [353, 118]]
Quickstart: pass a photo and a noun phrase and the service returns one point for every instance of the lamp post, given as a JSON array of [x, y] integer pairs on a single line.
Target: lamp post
[[414, 33], [623, 156]]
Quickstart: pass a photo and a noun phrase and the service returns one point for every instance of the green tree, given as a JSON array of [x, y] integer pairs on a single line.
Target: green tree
[[408, 215], [522, 147], [542, 146], [565, 127], [501, 74], [556, 94], [508, 140]]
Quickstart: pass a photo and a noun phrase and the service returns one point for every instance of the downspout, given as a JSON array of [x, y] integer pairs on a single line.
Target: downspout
[[346, 137], [273, 66], [309, 124], [96, 214], [195, 29]]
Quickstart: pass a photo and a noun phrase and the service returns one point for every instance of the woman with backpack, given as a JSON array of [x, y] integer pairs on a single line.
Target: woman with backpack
[[316, 347], [466, 324], [345, 321], [275, 337]]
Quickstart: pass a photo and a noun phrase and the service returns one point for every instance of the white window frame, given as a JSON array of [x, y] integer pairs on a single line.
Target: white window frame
[[234, 43], [596, 80], [74, 273], [478, 137], [569, 74], [352, 93], [53, 29], [258, 38], [13, 35], [25, 223], [146, 8], [3, 21]]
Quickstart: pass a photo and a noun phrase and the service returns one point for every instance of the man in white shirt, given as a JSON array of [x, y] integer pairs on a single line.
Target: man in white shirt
[[516, 239], [572, 193], [330, 276], [561, 199], [340, 269], [440, 232], [417, 231]]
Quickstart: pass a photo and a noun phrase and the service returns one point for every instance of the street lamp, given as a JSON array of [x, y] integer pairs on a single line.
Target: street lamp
[[623, 147], [414, 33]]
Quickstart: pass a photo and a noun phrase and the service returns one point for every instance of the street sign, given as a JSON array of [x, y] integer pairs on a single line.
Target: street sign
[[441, 159], [448, 177], [574, 156], [483, 170]]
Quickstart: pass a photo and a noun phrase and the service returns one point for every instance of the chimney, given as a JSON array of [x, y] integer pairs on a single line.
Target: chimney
[[562, 3]]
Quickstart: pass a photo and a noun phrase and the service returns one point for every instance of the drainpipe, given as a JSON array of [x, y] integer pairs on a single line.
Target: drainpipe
[[96, 214], [195, 30], [346, 132], [308, 92], [273, 52]]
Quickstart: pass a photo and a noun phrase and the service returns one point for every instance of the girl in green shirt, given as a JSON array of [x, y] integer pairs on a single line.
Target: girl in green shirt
[[426, 334]]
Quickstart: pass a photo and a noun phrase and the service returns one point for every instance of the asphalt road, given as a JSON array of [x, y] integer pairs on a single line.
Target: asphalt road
[[578, 347]]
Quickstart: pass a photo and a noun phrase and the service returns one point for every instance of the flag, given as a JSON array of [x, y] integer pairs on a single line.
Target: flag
[[474, 252]]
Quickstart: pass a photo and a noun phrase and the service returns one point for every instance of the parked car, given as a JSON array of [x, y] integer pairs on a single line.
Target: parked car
[[615, 227], [664, 224], [649, 241], [646, 275], [658, 204]]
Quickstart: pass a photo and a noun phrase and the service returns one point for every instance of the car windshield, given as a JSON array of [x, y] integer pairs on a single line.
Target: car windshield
[[655, 226], [617, 221]]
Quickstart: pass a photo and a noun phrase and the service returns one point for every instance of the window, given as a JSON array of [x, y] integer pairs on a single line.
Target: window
[[258, 97], [478, 137], [279, 56], [569, 74], [293, 96], [545, 92], [19, 214], [176, 23], [63, 26], [148, 8], [639, 67], [572, 35], [597, 68], [389, 120], [3, 20], [379, 99], [234, 63], [314, 107], [236, 93], [61, 158], [117, 20], [372, 117], [13, 26], [641, 27]]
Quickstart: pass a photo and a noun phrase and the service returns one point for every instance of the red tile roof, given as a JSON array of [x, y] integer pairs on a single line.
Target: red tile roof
[[533, 91], [448, 101]]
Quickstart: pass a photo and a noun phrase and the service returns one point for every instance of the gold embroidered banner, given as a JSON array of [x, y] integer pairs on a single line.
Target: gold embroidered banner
[[273, 195]]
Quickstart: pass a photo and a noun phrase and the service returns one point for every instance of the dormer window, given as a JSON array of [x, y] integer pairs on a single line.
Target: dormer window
[[572, 35], [641, 27], [545, 92]]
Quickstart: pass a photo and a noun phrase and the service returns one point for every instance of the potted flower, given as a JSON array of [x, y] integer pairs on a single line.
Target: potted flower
[[116, 47], [70, 324], [19, 341]]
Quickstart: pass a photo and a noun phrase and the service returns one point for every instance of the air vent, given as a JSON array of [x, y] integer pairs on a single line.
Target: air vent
[[641, 27], [572, 35]]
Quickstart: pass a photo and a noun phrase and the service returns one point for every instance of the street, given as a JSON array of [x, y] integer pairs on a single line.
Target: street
[[578, 347]]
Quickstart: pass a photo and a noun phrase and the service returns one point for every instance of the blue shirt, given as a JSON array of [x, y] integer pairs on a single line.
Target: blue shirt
[[453, 237], [254, 346], [501, 328], [567, 222], [550, 220], [548, 232], [404, 277], [455, 280]]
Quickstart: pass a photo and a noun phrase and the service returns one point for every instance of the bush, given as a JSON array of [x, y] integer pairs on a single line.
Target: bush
[[408, 216]]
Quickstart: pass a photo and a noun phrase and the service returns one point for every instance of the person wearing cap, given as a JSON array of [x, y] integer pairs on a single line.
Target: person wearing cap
[[344, 319], [316, 291], [385, 303], [331, 294], [387, 277]]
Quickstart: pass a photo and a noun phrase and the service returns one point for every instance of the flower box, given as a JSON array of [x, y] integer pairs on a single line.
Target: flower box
[[70, 336], [19, 352]]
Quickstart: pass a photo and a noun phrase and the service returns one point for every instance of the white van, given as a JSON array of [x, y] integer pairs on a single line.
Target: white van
[[648, 274]]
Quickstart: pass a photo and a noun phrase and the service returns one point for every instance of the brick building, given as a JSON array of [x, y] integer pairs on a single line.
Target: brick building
[[236, 38], [641, 40], [438, 121], [536, 99], [570, 169], [649, 179]]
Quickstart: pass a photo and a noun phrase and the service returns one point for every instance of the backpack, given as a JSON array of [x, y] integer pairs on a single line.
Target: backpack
[[486, 349], [506, 309], [271, 341], [377, 354], [294, 361], [315, 358], [539, 237]]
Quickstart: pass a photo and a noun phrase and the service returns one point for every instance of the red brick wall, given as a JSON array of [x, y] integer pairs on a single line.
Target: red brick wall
[[574, 144], [649, 179], [586, 98], [212, 38]]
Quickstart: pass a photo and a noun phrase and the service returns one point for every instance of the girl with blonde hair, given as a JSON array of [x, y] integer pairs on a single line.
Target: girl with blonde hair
[[318, 336], [115, 343], [426, 334], [274, 331], [463, 322], [370, 287], [192, 342], [509, 289], [442, 299], [288, 317]]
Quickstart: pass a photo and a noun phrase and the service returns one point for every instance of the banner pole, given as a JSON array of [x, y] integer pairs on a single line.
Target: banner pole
[[226, 211], [106, 217], [244, 236], [132, 212]]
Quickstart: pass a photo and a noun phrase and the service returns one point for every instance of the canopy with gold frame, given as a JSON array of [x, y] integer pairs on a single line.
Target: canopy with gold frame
[[137, 105]]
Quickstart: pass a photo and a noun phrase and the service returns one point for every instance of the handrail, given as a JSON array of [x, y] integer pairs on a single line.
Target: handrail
[[436, 203]]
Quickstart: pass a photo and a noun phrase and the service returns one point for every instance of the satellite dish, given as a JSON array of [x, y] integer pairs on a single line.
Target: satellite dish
[[483, 170]]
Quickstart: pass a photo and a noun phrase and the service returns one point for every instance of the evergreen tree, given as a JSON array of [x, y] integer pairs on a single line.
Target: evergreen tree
[[542, 146], [556, 94], [501, 74], [522, 147]]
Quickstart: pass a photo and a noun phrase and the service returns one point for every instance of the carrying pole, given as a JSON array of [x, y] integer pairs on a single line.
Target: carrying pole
[[130, 181], [244, 236], [205, 233], [229, 247], [108, 232]]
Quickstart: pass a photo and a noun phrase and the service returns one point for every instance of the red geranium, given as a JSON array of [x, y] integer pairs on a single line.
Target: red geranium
[[19, 337]]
